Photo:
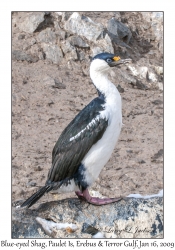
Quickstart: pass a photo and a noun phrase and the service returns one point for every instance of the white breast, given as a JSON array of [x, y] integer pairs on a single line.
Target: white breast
[[100, 152]]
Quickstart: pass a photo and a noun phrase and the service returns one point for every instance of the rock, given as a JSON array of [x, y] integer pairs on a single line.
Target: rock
[[89, 229], [38, 168], [21, 36], [61, 34], [103, 45], [53, 53], [137, 72], [140, 161], [152, 52], [66, 47], [128, 218], [78, 41], [127, 78], [22, 56], [152, 77], [148, 16], [160, 86], [120, 89], [81, 55], [31, 184], [28, 43], [59, 13], [157, 102], [47, 36], [157, 24], [133, 70], [66, 15], [50, 226], [158, 157], [118, 31], [159, 70], [83, 26], [156, 21], [24, 81], [32, 21], [143, 71], [59, 84], [35, 50], [117, 15], [140, 85], [69, 50], [96, 50]]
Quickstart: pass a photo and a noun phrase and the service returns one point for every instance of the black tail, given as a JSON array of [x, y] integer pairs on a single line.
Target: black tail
[[35, 197]]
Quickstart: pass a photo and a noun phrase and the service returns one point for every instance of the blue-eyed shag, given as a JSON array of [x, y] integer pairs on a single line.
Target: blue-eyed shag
[[86, 144]]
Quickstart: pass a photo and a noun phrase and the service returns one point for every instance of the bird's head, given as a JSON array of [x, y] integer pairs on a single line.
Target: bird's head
[[102, 62]]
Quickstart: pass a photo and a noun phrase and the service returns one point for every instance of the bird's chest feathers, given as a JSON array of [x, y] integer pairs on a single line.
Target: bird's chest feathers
[[100, 152]]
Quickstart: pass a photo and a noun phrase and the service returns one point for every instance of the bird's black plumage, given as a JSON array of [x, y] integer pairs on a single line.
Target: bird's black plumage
[[35, 197], [67, 154]]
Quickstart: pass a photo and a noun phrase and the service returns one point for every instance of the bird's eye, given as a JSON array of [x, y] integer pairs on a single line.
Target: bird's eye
[[109, 60]]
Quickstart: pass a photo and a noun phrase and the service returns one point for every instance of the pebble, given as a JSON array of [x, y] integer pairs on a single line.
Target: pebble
[[59, 84], [31, 184], [23, 56], [38, 168], [118, 30], [120, 89], [21, 36], [78, 41], [47, 36], [157, 102], [159, 70], [31, 21], [83, 26], [53, 53]]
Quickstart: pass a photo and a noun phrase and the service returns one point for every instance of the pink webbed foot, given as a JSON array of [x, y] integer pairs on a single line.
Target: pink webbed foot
[[95, 200]]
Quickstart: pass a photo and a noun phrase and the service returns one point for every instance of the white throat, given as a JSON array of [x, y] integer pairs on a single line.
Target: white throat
[[99, 74]]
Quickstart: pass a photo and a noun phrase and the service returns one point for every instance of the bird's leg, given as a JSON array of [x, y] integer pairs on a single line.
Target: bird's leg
[[79, 194], [95, 200]]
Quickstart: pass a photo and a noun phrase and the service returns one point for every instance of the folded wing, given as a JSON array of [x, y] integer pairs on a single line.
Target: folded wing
[[76, 140]]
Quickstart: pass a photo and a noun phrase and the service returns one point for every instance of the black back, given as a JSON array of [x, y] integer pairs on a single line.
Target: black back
[[67, 154]]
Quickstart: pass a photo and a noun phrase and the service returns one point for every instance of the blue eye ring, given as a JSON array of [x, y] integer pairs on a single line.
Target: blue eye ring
[[108, 60]]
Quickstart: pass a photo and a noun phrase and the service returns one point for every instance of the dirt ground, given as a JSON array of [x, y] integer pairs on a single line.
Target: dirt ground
[[40, 112]]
